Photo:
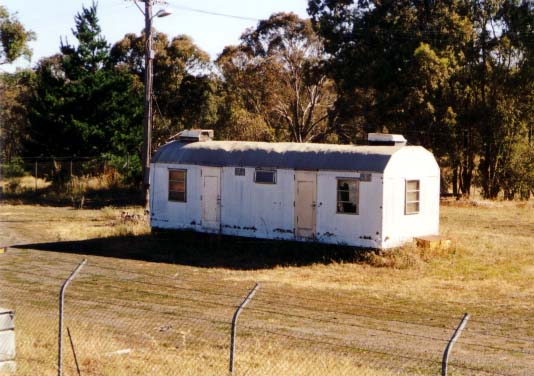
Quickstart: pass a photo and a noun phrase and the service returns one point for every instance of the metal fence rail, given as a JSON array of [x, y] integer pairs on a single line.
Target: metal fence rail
[[122, 321]]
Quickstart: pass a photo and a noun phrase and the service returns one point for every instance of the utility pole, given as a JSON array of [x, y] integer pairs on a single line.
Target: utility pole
[[147, 124]]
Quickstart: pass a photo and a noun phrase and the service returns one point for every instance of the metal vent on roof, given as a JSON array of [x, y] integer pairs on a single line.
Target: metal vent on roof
[[386, 139], [195, 135]]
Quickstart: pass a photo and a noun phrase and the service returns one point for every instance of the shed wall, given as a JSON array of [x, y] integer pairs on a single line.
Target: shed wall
[[399, 227], [363, 229], [257, 210], [267, 210], [170, 214]]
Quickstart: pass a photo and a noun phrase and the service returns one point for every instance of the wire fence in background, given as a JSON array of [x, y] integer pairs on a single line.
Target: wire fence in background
[[40, 172], [125, 320], [76, 181]]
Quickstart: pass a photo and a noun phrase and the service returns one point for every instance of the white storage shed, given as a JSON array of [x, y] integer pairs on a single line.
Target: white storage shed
[[379, 195]]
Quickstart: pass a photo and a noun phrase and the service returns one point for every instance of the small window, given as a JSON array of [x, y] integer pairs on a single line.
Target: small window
[[347, 196], [412, 197], [177, 185], [365, 176], [265, 176], [239, 171]]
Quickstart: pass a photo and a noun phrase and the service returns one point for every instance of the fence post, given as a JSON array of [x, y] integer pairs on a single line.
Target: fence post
[[61, 302], [234, 321], [451, 343], [36, 175]]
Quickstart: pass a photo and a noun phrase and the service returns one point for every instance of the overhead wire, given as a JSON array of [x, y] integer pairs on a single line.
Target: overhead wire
[[211, 13]]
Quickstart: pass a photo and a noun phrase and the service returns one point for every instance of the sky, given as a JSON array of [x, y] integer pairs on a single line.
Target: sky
[[54, 19]]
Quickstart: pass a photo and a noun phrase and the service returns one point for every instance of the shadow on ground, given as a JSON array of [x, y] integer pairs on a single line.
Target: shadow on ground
[[205, 250]]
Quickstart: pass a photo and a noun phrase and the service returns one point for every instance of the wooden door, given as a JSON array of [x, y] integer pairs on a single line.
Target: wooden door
[[211, 198], [305, 203]]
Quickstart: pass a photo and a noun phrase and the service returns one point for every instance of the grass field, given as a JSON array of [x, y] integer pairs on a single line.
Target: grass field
[[162, 304]]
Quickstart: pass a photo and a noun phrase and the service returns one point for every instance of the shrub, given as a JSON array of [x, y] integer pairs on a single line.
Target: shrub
[[13, 169]]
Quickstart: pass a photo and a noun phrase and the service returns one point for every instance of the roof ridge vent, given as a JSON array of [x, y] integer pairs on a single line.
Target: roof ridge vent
[[195, 135], [386, 139]]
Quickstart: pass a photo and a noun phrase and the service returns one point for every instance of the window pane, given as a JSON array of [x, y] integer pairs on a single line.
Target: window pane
[[412, 196], [346, 207], [239, 171], [176, 175], [347, 185], [343, 195], [177, 196], [412, 185], [353, 197], [412, 207], [347, 196], [343, 184], [177, 186], [263, 176]]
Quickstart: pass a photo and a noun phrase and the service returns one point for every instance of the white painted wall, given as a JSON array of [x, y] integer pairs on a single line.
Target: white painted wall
[[364, 229], [257, 210], [410, 163], [171, 214]]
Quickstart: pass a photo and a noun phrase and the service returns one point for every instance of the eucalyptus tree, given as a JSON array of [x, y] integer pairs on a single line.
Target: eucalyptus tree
[[275, 74], [452, 75], [184, 89], [14, 38]]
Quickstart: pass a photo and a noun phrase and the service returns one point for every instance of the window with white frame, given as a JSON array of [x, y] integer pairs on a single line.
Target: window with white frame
[[412, 198], [178, 185], [265, 176], [347, 195]]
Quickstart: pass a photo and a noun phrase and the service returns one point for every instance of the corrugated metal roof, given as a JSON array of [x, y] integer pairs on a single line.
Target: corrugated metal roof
[[300, 156]]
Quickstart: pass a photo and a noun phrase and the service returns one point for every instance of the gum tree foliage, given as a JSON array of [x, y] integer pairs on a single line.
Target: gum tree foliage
[[184, 90], [273, 81], [452, 75], [15, 89], [14, 38], [81, 104]]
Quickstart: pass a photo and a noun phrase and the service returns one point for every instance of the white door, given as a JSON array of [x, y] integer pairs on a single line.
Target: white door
[[211, 198], [305, 198]]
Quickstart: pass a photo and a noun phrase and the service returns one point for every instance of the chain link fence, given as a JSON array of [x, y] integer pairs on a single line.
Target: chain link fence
[[132, 318], [75, 181], [42, 171]]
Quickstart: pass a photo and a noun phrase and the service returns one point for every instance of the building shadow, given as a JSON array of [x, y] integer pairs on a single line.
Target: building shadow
[[209, 251]]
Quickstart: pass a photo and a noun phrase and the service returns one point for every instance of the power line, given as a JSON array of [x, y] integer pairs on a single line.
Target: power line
[[212, 13]]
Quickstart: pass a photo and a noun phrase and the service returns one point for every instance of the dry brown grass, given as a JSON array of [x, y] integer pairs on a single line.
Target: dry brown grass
[[488, 273], [23, 183]]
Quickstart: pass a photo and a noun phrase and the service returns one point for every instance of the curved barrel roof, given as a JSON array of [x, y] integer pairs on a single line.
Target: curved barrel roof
[[300, 156]]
